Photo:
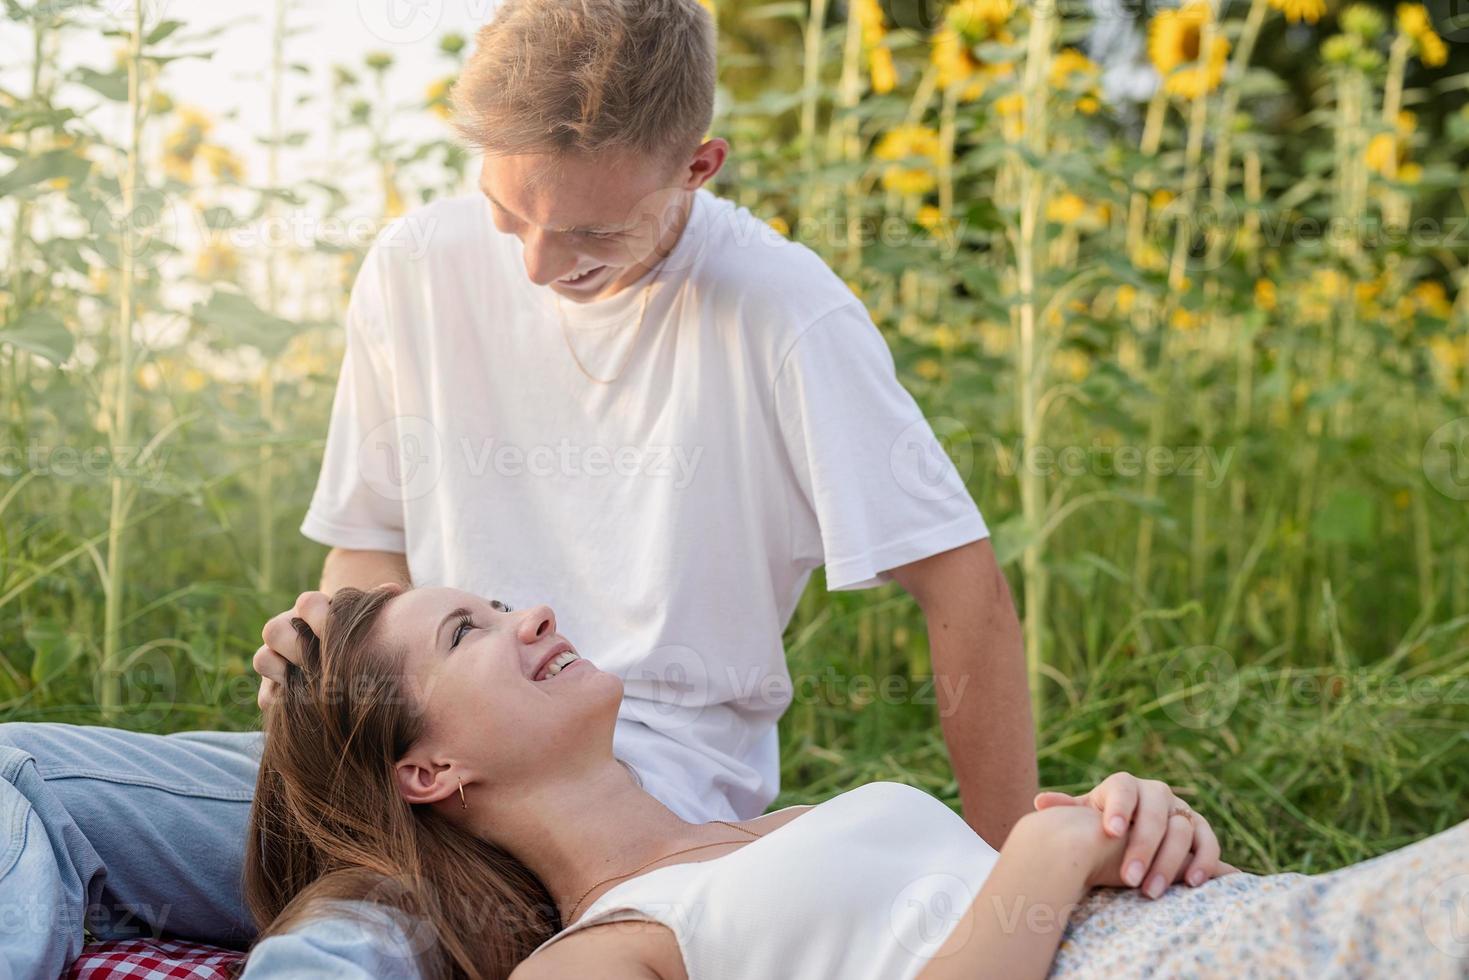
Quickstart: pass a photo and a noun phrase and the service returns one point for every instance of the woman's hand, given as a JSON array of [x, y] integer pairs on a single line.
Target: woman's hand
[[1161, 840]]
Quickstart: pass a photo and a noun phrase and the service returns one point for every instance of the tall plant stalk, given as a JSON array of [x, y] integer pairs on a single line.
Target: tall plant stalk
[[1244, 386], [1229, 105], [1030, 271], [1177, 269], [810, 97], [19, 291], [265, 499], [110, 686], [845, 143]]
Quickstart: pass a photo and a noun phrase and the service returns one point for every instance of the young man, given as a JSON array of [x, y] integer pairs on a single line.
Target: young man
[[598, 386]]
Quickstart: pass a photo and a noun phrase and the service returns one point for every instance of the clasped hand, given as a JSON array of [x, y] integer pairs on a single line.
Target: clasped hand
[[1163, 839]]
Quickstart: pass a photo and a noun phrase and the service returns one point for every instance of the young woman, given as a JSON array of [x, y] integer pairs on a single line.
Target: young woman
[[449, 763]]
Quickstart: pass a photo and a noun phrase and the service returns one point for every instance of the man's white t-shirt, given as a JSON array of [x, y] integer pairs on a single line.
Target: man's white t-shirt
[[671, 518]]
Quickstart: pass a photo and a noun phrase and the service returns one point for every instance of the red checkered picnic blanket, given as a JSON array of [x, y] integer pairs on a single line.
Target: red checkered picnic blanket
[[154, 959]]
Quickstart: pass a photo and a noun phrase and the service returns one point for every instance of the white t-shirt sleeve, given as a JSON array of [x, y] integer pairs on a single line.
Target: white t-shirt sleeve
[[884, 491], [354, 506]]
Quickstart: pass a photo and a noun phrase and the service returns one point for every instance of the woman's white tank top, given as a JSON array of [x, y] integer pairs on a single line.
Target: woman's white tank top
[[866, 886]]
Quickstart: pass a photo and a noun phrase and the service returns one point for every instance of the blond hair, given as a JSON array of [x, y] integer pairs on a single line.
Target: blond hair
[[572, 77]]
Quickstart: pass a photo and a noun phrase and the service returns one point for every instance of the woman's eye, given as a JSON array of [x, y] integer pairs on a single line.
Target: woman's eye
[[499, 606], [459, 631]]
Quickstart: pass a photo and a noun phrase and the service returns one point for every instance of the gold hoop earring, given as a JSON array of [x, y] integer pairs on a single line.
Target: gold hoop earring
[[463, 804]]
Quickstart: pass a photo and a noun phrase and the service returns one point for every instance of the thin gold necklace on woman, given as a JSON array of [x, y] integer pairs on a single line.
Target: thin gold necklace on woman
[[572, 914], [631, 347]]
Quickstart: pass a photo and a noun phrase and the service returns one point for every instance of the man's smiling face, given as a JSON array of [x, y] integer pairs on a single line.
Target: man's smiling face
[[590, 226]]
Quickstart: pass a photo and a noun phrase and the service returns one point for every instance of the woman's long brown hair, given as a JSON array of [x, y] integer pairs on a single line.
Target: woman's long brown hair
[[328, 824]]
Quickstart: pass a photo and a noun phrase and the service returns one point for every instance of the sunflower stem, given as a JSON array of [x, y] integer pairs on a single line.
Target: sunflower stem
[[1029, 273]]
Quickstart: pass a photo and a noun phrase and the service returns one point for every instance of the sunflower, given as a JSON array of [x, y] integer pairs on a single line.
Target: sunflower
[[870, 19], [1074, 72], [929, 217], [1414, 23], [980, 20], [880, 66], [1072, 363], [179, 150], [1126, 298], [217, 261], [1389, 151], [194, 121], [1011, 110], [1065, 209], [1382, 152], [224, 165], [1413, 20], [437, 96], [1265, 294], [1068, 208], [1448, 358], [1432, 299], [955, 64], [1296, 11], [1175, 42], [899, 146]]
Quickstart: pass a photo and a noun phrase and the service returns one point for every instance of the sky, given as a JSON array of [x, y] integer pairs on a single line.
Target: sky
[[235, 79]]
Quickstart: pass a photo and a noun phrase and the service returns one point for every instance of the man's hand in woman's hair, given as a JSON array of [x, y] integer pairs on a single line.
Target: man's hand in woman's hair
[[282, 646], [1167, 841]]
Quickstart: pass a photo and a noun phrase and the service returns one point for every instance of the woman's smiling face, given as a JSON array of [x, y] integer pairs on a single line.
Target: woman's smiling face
[[482, 675]]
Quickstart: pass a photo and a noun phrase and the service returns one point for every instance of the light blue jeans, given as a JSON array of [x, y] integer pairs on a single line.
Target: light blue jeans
[[135, 835]]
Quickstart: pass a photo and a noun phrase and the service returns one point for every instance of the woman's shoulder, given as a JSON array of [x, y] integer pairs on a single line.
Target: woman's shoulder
[[892, 790], [630, 949]]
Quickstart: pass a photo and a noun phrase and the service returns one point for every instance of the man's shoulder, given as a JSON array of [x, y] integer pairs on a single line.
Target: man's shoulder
[[773, 281], [444, 229]]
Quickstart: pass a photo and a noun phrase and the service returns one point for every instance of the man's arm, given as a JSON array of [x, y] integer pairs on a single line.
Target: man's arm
[[983, 694], [362, 569]]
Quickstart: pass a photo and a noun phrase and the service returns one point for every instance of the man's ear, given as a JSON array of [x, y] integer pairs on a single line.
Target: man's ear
[[423, 781], [706, 161]]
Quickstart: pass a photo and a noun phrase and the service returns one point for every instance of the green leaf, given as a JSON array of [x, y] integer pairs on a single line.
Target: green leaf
[[48, 165], [42, 333], [1011, 538], [162, 31], [1348, 517], [53, 648], [238, 322], [110, 85]]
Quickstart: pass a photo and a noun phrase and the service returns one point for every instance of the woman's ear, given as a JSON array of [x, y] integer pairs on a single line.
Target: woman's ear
[[420, 781]]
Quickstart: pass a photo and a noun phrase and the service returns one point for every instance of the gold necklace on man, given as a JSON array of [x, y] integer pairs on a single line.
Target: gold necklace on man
[[631, 347]]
